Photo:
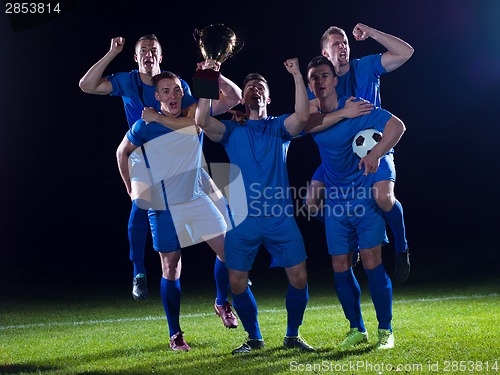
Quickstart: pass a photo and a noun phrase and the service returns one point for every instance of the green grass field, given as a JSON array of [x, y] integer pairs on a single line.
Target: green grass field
[[439, 329]]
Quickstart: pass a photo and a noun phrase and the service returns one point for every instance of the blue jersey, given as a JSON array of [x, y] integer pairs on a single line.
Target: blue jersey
[[136, 94], [259, 148], [363, 79], [174, 161], [343, 178]]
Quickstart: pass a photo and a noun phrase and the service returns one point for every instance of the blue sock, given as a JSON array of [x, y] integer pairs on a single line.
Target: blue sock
[[349, 294], [171, 297], [396, 222], [138, 226], [246, 308], [221, 281], [296, 302], [380, 287]]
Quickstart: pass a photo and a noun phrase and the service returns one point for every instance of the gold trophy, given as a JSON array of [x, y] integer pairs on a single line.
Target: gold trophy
[[217, 43]]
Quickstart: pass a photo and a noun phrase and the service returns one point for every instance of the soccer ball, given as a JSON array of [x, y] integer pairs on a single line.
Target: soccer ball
[[364, 141]]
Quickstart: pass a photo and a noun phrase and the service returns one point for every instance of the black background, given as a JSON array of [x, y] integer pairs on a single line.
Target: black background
[[64, 207]]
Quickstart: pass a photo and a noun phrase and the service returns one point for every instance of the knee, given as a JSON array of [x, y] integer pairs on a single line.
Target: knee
[[312, 205], [315, 196], [172, 270], [384, 195], [299, 281], [340, 264], [385, 201], [371, 258], [238, 282]]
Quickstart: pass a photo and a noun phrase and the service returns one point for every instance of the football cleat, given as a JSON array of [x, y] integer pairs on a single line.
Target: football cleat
[[177, 342], [249, 345], [297, 342], [226, 314], [385, 339], [140, 287], [402, 266], [353, 338]]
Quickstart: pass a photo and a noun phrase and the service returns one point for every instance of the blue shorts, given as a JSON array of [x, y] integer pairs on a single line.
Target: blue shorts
[[185, 224], [352, 225], [163, 232], [280, 236], [385, 171]]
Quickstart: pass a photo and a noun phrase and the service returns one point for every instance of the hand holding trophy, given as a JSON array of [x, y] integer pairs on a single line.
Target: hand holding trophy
[[217, 43]]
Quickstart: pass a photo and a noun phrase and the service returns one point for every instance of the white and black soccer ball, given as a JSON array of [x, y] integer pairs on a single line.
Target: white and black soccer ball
[[364, 141]]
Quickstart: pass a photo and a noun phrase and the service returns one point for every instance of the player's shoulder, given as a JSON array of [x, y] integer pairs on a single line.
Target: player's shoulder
[[280, 118], [133, 74], [366, 60], [138, 125]]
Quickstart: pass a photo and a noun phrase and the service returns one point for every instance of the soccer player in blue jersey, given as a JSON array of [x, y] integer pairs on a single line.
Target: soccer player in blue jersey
[[138, 93], [182, 214], [259, 150], [361, 78], [353, 219]]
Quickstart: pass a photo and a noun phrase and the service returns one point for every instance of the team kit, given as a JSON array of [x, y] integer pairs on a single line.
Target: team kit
[[240, 207]]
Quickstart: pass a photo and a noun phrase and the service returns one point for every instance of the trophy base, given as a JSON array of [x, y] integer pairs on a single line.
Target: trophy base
[[206, 84]]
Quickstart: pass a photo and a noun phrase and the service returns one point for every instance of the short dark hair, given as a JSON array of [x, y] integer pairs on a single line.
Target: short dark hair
[[320, 60], [255, 76], [164, 75], [148, 37]]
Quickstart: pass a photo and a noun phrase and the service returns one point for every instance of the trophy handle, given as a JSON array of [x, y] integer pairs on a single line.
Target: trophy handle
[[197, 36], [237, 47]]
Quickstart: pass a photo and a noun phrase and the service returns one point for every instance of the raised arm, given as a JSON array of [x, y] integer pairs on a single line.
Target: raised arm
[[321, 121], [393, 130], [212, 127], [294, 123], [398, 51], [230, 96], [93, 81]]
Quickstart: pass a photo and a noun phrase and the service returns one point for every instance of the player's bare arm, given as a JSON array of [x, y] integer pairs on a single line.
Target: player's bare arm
[[393, 130], [122, 154], [93, 81], [295, 123], [212, 127], [174, 123], [230, 95], [353, 108], [398, 51]]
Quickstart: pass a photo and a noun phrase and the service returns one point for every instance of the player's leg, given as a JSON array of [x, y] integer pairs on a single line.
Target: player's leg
[[170, 291], [208, 224], [138, 227], [283, 241], [349, 295], [314, 199], [222, 306], [241, 246], [342, 243], [371, 233], [296, 300], [245, 305], [315, 195], [392, 211], [380, 287], [384, 182], [166, 243], [393, 214]]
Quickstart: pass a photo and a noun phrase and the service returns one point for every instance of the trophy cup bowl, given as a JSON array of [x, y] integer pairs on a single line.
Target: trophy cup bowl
[[217, 43]]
